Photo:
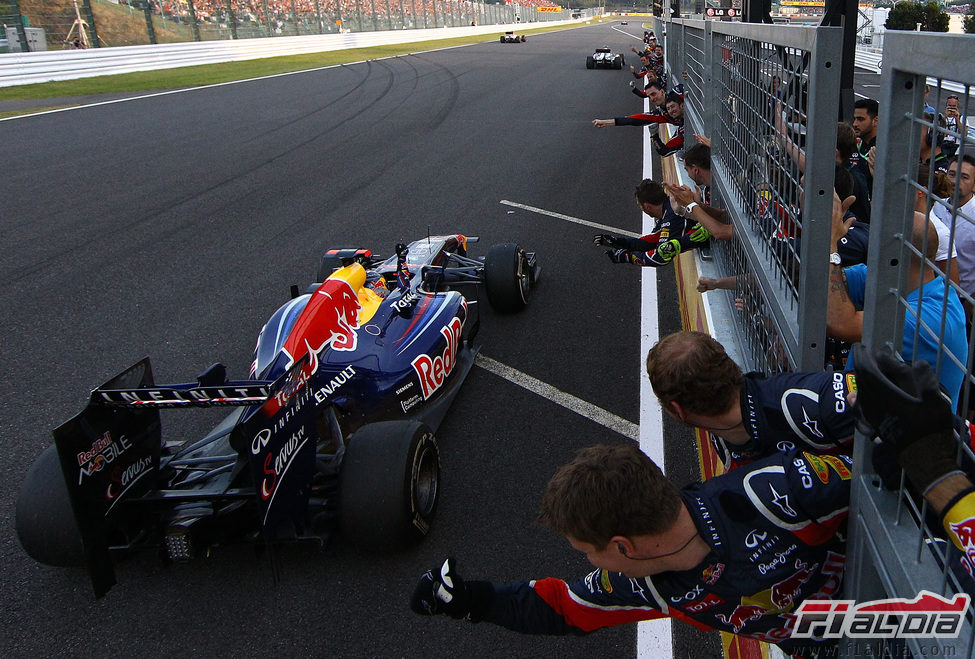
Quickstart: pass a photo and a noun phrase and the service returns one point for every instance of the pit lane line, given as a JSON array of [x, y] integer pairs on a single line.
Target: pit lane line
[[569, 218], [568, 401]]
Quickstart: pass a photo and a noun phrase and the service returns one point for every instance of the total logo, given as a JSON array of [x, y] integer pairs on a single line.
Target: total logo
[[433, 371]]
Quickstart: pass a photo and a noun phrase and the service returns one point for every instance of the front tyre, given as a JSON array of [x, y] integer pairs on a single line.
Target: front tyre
[[507, 278], [45, 523], [389, 484]]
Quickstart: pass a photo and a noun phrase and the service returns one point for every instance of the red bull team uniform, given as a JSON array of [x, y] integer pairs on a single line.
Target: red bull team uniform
[[772, 527], [789, 411]]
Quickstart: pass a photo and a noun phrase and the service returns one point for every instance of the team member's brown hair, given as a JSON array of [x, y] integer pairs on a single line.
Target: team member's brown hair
[[942, 187], [693, 369], [846, 140], [607, 491], [650, 192]]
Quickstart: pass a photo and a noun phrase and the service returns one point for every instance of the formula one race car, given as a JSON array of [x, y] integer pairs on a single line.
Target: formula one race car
[[605, 58], [334, 428], [511, 37]]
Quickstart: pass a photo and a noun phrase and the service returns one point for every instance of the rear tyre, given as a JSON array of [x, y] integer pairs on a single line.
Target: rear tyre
[[590, 63], [45, 522], [524, 38], [502, 39], [507, 278], [389, 484]]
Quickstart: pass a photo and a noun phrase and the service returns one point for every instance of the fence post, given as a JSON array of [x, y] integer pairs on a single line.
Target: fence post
[[150, 29], [95, 42], [196, 28], [267, 19], [21, 33], [232, 17]]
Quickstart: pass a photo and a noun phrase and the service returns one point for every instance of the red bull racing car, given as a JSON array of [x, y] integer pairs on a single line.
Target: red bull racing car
[[334, 428]]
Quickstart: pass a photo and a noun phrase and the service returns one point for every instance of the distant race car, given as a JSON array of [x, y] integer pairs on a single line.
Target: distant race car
[[333, 429], [624, 23], [605, 58], [511, 37]]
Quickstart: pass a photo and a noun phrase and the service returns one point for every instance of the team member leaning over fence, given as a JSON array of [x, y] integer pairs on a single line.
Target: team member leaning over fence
[[929, 297], [697, 205], [671, 235], [749, 416], [664, 552], [674, 114]]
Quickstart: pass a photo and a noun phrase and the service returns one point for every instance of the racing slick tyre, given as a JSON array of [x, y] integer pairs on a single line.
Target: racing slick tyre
[[507, 278], [618, 63], [45, 523], [389, 484], [524, 38], [590, 63], [502, 39]]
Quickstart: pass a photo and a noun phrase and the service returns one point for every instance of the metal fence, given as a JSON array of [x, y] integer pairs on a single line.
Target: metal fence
[[768, 98], [134, 22], [760, 92], [896, 546]]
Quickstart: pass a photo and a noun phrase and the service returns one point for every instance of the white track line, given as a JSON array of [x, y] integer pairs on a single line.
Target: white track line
[[559, 397], [569, 218], [654, 638]]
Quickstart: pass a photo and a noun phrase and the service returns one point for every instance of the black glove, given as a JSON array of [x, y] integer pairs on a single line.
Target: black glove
[[607, 239], [905, 407], [441, 592], [885, 465], [619, 256]]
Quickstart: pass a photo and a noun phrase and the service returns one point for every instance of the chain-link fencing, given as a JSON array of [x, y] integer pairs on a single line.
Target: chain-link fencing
[[768, 99]]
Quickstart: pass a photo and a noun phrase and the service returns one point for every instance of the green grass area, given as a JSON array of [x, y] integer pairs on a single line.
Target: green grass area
[[207, 74]]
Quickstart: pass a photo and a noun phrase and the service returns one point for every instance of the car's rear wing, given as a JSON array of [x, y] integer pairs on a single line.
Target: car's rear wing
[[110, 452], [212, 388]]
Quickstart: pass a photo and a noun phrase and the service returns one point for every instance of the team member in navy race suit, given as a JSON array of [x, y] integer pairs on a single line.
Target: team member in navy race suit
[[671, 235], [738, 553], [749, 415]]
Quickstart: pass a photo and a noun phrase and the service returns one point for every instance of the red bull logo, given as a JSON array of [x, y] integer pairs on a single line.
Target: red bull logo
[[742, 614], [784, 593], [329, 320], [965, 537], [433, 371], [712, 573]]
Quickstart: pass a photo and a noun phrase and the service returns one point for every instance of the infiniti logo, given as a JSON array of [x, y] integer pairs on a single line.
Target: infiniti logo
[[754, 538]]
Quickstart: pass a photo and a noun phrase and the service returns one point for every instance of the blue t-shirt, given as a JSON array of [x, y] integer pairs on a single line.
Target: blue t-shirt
[[955, 339]]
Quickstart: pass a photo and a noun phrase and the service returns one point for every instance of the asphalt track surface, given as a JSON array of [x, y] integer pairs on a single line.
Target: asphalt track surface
[[173, 226]]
